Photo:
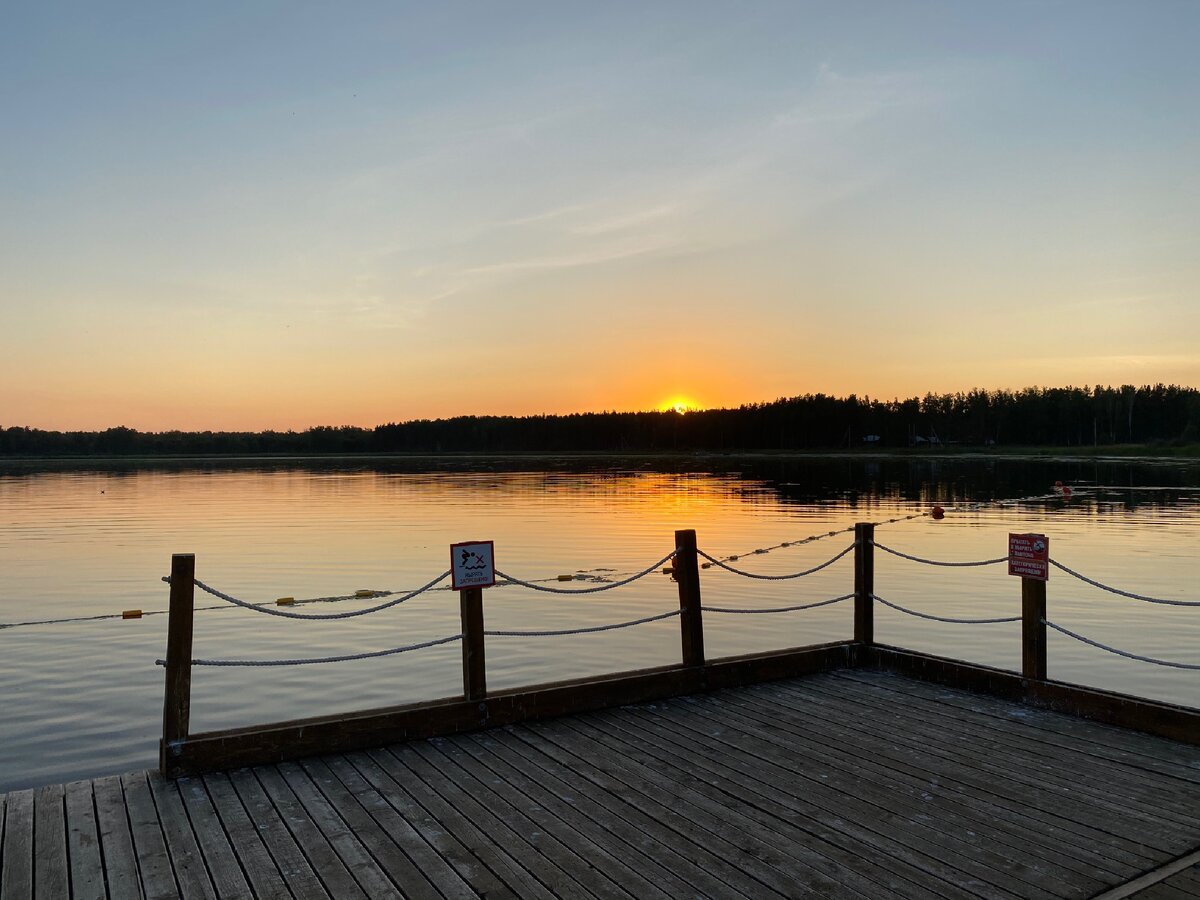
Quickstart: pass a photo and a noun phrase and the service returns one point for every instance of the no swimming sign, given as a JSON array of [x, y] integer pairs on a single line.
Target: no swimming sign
[[472, 565]]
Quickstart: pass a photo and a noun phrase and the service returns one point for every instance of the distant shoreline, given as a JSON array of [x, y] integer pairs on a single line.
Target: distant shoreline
[[1131, 452]]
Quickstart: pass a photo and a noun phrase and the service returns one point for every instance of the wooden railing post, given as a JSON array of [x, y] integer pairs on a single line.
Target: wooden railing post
[[470, 601], [687, 574], [864, 582], [177, 701], [1033, 629]]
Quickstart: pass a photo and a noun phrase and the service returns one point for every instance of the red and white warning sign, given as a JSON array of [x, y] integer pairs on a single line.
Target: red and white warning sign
[[1029, 556], [472, 565]]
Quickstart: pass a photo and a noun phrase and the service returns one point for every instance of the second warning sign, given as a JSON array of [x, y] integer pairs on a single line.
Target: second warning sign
[[1029, 556]]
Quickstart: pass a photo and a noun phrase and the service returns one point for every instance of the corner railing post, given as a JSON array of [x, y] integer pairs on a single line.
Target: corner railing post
[[1033, 629], [687, 574], [470, 602], [864, 583], [177, 700]]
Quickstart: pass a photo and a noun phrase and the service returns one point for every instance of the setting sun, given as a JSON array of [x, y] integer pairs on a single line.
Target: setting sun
[[679, 404]]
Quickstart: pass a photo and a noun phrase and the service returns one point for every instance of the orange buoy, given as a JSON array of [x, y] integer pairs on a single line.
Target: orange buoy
[[938, 512], [1066, 492]]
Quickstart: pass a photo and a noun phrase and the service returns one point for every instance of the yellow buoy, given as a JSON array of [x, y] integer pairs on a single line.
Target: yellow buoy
[[566, 577], [669, 570], [131, 614], [285, 601], [364, 593]]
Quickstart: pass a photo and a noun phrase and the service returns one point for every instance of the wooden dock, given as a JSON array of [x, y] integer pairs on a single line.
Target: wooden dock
[[845, 784]]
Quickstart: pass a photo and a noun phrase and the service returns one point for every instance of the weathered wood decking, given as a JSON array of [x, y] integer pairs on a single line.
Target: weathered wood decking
[[853, 784]]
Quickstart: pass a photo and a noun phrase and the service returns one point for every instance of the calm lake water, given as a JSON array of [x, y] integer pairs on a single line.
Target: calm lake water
[[84, 698]]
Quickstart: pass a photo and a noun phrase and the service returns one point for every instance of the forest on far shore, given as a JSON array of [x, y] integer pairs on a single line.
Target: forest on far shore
[[1163, 415]]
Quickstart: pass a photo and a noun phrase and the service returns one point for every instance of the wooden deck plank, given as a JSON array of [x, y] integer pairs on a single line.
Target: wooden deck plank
[[677, 874], [730, 817], [928, 847], [154, 862], [563, 819], [942, 822], [439, 794], [900, 753], [1159, 754], [315, 845], [868, 825], [1132, 791], [826, 811], [385, 853], [1040, 788], [523, 818], [259, 864], [50, 877], [1054, 732], [228, 879], [680, 819], [1062, 839], [733, 851], [16, 876], [934, 795], [686, 771], [191, 872], [480, 862], [301, 878], [411, 862], [589, 817], [1154, 795], [1183, 885], [349, 844], [83, 843], [116, 841]]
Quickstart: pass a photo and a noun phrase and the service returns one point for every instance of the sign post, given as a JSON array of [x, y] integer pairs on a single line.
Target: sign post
[[1029, 557], [472, 568]]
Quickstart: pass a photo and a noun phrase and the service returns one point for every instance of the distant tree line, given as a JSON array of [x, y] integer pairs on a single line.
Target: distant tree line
[[1036, 416]]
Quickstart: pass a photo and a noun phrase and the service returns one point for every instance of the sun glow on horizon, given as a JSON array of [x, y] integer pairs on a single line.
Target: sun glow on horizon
[[679, 404]]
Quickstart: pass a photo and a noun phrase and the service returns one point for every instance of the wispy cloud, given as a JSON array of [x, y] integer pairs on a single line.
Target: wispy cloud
[[625, 221], [591, 257]]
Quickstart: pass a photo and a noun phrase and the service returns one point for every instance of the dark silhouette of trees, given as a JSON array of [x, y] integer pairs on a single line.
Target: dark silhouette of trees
[[1034, 416]]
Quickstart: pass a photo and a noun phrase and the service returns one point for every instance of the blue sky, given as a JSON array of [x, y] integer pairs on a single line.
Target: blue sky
[[279, 215]]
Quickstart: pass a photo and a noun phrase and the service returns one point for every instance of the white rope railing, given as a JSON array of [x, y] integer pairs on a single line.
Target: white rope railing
[[775, 609], [938, 562], [953, 621], [721, 564], [349, 657], [607, 586], [1118, 591], [591, 629], [1125, 653], [349, 614]]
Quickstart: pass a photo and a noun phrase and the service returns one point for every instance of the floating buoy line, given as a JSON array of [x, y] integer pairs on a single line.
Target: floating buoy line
[[604, 575]]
